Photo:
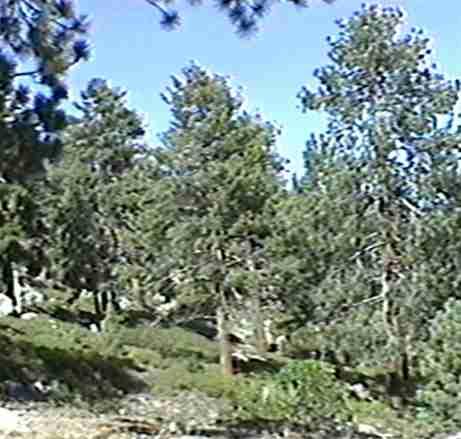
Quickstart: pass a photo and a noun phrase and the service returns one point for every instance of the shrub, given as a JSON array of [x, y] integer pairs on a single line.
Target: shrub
[[301, 392], [440, 365]]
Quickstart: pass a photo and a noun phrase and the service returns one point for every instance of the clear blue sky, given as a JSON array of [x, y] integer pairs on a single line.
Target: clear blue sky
[[133, 52]]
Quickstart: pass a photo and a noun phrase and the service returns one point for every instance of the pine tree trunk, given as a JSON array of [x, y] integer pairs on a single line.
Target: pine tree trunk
[[225, 349], [405, 359], [13, 290], [17, 291], [261, 340], [260, 332]]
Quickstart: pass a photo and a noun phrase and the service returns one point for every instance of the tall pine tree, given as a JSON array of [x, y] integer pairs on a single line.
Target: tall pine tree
[[39, 43], [80, 197], [387, 108], [221, 170]]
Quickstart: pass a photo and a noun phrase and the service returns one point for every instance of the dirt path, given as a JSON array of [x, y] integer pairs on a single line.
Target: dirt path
[[135, 417]]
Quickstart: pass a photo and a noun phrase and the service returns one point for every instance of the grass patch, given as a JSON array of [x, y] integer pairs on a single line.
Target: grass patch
[[171, 343], [209, 380], [93, 367], [41, 350]]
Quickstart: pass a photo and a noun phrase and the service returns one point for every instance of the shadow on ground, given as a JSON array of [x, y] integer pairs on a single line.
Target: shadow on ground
[[68, 373]]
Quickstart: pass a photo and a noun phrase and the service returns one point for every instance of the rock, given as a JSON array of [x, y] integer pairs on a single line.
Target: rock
[[24, 392], [124, 303], [95, 328], [166, 308], [360, 391], [6, 305], [43, 388], [29, 315], [173, 427], [11, 422], [371, 432]]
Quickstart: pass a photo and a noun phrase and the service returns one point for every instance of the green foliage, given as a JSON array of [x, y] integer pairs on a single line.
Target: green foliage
[[361, 261], [108, 136], [316, 247], [91, 367], [40, 41], [171, 343], [86, 243], [13, 227], [76, 363], [208, 380], [302, 392], [440, 364], [388, 153], [245, 16], [220, 171], [46, 36]]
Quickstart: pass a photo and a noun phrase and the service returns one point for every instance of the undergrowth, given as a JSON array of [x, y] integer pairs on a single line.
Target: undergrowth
[[91, 369]]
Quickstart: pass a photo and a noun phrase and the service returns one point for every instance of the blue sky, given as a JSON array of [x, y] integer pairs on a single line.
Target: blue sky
[[133, 52]]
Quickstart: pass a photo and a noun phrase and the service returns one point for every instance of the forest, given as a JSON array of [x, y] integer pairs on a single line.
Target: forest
[[327, 302]]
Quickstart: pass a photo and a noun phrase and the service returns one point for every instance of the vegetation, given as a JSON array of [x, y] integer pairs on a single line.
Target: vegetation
[[245, 16], [193, 268], [302, 391], [386, 113]]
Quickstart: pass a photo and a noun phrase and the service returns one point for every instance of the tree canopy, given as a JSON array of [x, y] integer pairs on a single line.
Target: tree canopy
[[40, 41], [245, 16], [387, 108]]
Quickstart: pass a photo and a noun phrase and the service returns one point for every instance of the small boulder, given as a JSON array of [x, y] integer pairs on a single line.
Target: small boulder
[[6, 305], [360, 391], [371, 432], [29, 316], [23, 392], [124, 303]]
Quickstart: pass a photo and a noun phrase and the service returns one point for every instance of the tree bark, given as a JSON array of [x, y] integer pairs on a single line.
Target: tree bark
[[13, 287], [260, 330], [225, 348], [261, 339]]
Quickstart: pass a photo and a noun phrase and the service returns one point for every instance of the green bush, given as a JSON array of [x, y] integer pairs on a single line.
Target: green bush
[[301, 392], [440, 365]]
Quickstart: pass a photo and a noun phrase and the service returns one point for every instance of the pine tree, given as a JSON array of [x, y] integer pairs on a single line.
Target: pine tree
[[387, 106], [80, 196], [39, 43], [221, 170], [108, 135]]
